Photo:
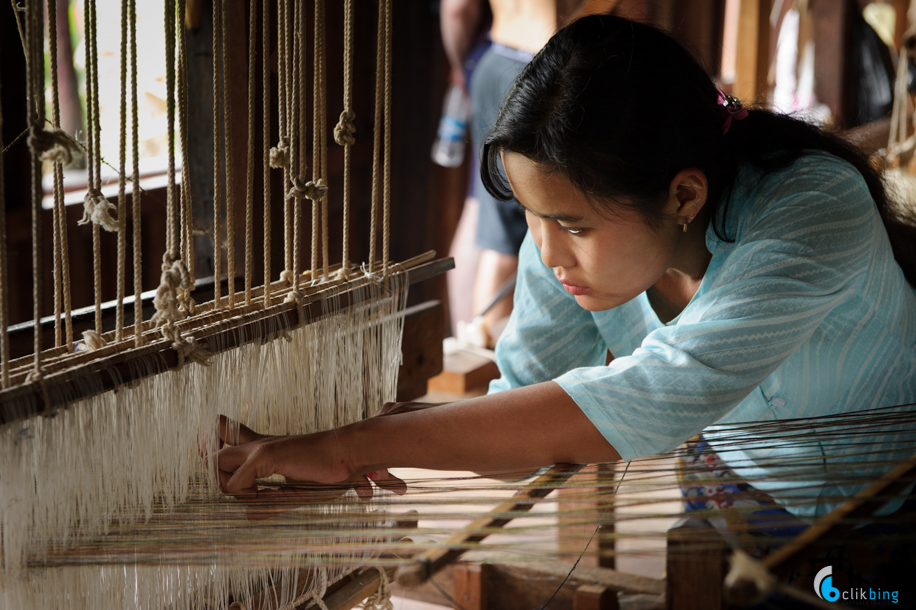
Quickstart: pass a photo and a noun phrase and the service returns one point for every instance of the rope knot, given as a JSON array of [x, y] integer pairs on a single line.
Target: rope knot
[[293, 296], [286, 276], [345, 130], [188, 350], [316, 191], [96, 209], [297, 190], [53, 144], [279, 154], [91, 342]]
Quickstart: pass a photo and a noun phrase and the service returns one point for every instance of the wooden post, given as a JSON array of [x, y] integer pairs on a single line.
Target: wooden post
[[695, 566], [831, 30], [592, 597], [470, 588], [753, 52]]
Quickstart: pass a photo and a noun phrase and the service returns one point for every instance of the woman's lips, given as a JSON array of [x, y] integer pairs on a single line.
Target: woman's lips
[[575, 290]]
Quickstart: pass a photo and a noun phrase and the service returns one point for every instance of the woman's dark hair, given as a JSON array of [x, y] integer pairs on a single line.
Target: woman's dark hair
[[619, 108]]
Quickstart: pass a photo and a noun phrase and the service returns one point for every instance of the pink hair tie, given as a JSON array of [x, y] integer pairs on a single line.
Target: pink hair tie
[[734, 109]]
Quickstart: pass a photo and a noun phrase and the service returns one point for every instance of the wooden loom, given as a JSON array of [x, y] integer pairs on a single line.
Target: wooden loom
[[67, 377]]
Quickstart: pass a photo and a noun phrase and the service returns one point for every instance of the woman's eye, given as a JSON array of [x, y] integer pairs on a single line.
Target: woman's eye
[[572, 231]]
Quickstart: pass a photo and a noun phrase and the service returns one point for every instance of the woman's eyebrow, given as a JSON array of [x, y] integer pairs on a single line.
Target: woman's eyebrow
[[560, 217]]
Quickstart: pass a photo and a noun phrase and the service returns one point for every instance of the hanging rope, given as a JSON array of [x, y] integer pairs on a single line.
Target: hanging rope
[[286, 132], [228, 147], [35, 116], [265, 140], [297, 158], [323, 132], [279, 154], [377, 132], [345, 134], [4, 279], [249, 200], [57, 217], [136, 192], [122, 178], [186, 217], [217, 155], [317, 96], [386, 202]]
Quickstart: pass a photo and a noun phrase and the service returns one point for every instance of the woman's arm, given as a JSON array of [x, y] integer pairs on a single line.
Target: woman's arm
[[519, 429]]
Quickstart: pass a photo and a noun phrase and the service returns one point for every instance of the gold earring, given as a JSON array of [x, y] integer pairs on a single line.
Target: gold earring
[[684, 227], [687, 222]]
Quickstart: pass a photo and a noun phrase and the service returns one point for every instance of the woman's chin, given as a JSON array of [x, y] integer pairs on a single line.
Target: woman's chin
[[594, 302]]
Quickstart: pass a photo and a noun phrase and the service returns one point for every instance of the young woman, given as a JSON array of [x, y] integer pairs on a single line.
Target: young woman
[[688, 263]]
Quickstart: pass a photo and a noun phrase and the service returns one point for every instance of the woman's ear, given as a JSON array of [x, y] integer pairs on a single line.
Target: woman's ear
[[687, 194]]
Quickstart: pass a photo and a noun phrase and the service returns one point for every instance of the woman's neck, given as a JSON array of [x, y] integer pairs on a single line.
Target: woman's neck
[[674, 290]]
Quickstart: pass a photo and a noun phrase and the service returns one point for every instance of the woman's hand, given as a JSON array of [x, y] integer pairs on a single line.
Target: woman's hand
[[316, 466]]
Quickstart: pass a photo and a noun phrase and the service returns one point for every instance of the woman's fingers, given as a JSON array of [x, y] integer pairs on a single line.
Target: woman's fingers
[[386, 480], [240, 467], [232, 432]]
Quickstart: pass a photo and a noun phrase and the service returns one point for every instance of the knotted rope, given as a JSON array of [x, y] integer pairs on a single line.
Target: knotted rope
[[91, 341], [315, 191], [54, 144], [345, 135], [96, 210], [279, 154], [173, 304], [345, 130]]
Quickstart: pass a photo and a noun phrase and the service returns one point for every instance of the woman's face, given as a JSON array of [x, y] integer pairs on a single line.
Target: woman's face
[[604, 260]]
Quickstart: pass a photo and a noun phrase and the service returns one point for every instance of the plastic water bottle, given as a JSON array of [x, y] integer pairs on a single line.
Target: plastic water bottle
[[448, 150]]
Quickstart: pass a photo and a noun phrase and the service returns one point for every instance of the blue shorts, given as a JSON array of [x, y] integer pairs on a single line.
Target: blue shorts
[[501, 225]]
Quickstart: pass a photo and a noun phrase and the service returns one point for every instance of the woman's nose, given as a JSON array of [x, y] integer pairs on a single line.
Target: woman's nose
[[554, 251]]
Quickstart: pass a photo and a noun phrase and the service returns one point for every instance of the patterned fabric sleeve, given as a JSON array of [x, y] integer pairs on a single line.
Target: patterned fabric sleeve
[[801, 251]]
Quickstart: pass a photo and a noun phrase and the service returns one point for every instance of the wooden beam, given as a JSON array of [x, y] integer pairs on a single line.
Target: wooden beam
[[530, 584], [753, 52], [424, 329], [64, 386], [470, 586], [831, 25], [696, 566], [594, 597]]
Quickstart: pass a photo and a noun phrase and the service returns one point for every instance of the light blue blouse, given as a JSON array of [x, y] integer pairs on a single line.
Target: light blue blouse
[[806, 313]]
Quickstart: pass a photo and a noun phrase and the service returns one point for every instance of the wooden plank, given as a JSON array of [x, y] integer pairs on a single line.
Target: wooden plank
[[530, 585], [753, 52], [470, 586], [594, 597], [424, 329], [464, 371], [696, 566]]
